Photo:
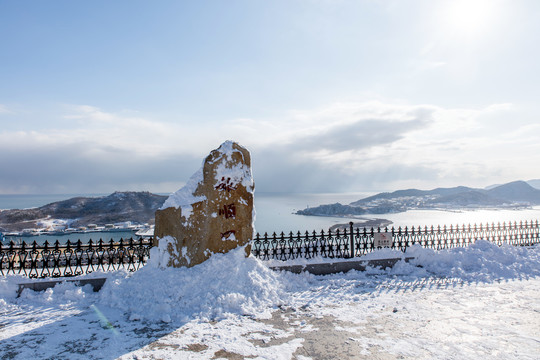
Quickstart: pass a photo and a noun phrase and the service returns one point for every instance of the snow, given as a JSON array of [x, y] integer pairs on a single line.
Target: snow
[[238, 173], [480, 301], [229, 237], [160, 255], [51, 224], [184, 198]]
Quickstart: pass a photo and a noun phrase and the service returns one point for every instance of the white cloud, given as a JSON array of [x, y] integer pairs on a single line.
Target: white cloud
[[342, 146], [111, 135], [381, 145]]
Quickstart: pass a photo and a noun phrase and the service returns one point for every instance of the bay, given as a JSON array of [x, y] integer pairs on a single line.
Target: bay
[[275, 213]]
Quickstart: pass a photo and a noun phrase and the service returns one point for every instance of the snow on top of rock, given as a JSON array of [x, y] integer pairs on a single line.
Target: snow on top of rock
[[237, 173], [227, 149], [184, 197]]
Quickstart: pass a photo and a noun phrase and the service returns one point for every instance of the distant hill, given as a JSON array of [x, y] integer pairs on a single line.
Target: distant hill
[[138, 207], [517, 191], [511, 195], [535, 183]]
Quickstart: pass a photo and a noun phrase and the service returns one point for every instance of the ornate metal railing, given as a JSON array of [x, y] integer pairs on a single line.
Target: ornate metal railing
[[72, 258], [353, 242], [77, 258]]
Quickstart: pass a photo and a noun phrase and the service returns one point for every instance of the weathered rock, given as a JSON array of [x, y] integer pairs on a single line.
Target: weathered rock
[[213, 213]]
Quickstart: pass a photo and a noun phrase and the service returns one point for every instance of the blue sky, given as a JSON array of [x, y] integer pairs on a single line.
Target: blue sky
[[327, 95]]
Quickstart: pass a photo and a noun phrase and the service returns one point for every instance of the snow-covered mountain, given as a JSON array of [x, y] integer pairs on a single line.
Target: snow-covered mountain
[[138, 207], [511, 195], [535, 183]]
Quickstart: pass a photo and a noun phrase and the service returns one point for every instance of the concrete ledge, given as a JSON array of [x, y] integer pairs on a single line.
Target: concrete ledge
[[338, 267], [97, 284]]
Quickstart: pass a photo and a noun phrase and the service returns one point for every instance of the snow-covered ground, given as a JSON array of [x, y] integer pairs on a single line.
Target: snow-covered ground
[[478, 302]]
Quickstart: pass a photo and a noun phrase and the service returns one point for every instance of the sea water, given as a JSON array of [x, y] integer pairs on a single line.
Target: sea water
[[275, 212], [84, 237]]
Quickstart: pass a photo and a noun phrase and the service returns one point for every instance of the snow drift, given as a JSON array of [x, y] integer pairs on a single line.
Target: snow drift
[[226, 283], [233, 284]]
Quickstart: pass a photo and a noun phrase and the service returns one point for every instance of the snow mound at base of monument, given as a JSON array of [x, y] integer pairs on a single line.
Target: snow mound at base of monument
[[225, 283]]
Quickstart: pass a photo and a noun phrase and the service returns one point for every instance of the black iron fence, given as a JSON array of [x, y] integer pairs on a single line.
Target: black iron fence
[[72, 258], [354, 242], [77, 258]]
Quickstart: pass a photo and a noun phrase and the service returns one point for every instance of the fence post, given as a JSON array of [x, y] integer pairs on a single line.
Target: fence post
[[352, 238]]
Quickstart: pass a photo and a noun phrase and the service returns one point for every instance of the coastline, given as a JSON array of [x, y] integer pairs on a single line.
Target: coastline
[[276, 213]]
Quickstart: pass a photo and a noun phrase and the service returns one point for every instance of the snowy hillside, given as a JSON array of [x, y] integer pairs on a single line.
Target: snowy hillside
[[513, 195], [138, 207], [474, 302]]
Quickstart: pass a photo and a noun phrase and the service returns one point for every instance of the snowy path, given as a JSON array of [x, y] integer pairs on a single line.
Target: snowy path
[[489, 308]]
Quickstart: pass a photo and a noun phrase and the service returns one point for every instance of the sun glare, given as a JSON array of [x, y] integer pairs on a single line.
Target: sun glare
[[470, 17]]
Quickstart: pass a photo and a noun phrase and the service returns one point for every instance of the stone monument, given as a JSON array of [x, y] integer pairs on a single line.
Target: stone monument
[[212, 213]]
